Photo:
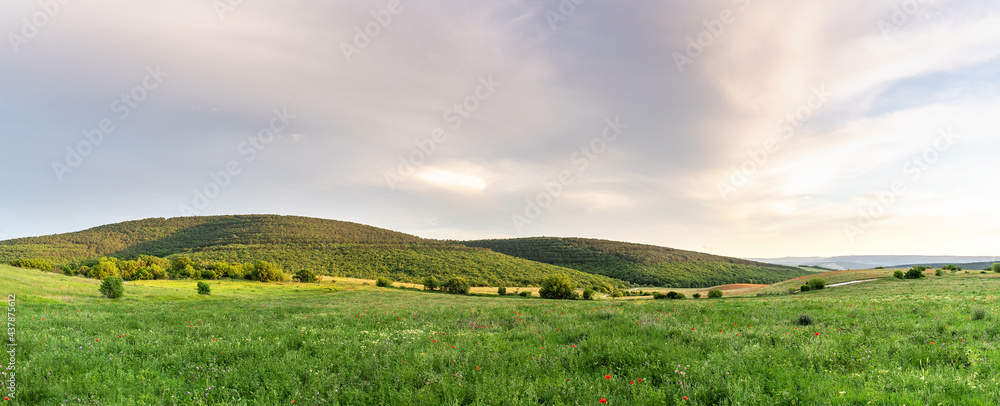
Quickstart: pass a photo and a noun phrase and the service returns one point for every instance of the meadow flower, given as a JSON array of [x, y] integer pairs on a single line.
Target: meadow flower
[[607, 376]]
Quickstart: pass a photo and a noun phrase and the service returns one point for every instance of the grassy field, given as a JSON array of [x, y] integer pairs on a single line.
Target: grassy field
[[888, 342]]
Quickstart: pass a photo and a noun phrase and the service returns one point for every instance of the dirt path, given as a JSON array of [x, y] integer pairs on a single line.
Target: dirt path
[[848, 283]]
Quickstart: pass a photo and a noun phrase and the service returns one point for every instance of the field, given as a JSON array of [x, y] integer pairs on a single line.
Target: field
[[888, 342]]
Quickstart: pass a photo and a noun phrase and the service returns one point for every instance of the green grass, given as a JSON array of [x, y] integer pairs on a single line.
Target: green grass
[[882, 343]]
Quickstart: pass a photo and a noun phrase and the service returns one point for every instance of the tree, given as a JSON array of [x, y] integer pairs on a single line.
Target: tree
[[502, 291], [558, 287], [180, 263], [817, 283], [305, 276], [383, 282], [714, 293], [996, 267], [112, 287], [264, 271], [457, 286], [588, 294], [204, 289], [105, 267], [431, 283]]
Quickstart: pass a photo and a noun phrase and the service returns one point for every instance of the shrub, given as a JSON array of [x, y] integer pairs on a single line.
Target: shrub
[[208, 274], [939, 272], [879, 267], [502, 290], [526, 293], [557, 287], [457, 286], [178, 264], [204, 289], [305, 276], [431, 283], [588, 294], [696, 295], [617, 293], [142, 274], [898, 274], [804, 319], [112, 287], [264, 271], [916, 272], [996, 268], [674, 295], [817, 283], [979, 314], [658, 296], [714, 293], [383, 282], [804, 288], [951, 267]]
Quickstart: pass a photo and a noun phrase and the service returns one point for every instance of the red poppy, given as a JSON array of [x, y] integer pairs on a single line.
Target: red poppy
[[640, 380], [603, 400], [817, 333], [685, 398], [607, 376]]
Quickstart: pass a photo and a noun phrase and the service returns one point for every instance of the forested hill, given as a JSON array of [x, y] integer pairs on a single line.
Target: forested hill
[[640, 263], [325, 246]]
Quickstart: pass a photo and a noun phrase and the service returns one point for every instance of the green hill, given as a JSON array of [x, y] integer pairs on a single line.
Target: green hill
[[639, 263], [329, 247]]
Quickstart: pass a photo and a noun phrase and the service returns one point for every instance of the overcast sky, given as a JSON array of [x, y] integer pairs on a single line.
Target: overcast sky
[[741, 128]]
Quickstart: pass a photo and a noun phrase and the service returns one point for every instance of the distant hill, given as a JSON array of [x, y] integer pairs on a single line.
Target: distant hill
[[330, 247], [639, 263], [872, 261]]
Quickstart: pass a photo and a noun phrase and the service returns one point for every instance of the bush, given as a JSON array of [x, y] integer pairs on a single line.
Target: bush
[[658, 296], [383, 282], [502, 290], [305, 276], [204, 289], [457, 286], [588, 293], [557, 287], [996, 268], [805, 320], [674, 295], [804, 288], [264, 271], [817, 283], [617, 293], [979, 314], [431, 283], [714, 294], [898, 274], [916, 272], [951, 267], [112, 287], [526, 293], [879, 267], [696, 295], [209, 274], [178, 264], [939, 272]]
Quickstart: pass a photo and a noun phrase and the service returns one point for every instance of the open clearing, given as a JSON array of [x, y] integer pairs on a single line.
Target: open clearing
[[888, 342]]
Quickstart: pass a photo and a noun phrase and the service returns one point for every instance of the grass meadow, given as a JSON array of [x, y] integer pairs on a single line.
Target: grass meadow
[[888, 342]]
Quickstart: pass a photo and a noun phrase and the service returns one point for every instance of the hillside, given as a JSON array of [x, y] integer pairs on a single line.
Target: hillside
[[329, 247], [639, 263]]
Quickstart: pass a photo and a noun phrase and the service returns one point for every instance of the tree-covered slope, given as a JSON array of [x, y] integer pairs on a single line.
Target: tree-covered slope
[[639, 263], [326, 246]]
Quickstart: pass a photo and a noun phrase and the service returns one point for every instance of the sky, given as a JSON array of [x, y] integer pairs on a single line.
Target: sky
[[735, 127]]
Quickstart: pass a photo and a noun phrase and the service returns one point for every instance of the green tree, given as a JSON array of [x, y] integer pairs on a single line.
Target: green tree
[[502, 291], [264, 271], [383, 282], [112, 287], [457, 286], [558, 287], [817, 283], [306, 276], [996, 267], [916, 272], [204, 289], [714, 294], [431, 283], [180, 263]]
